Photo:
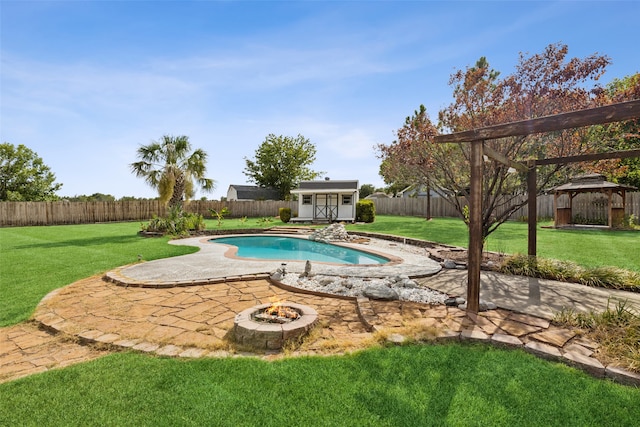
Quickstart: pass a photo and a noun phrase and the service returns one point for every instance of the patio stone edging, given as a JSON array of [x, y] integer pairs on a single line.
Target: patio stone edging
[[118, 279], [532, 339], [590, 365]]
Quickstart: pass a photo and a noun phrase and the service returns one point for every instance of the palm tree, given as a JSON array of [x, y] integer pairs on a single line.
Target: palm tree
[[167, 166]]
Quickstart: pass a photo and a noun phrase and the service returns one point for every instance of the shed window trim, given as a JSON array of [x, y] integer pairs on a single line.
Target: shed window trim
[[347, 199], [306, 199]]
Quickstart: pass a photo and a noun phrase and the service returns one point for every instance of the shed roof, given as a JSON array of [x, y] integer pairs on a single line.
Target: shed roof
[[343, 185], [590, 182]]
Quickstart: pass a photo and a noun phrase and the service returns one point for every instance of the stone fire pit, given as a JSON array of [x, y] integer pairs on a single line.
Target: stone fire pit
[[253, 329]]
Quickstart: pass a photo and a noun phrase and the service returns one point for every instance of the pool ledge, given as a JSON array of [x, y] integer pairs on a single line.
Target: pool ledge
[[210, 265], [232, 252]]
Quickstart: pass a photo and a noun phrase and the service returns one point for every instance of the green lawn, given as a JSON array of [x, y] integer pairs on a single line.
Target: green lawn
[[589, 248], [429, 385], [454, 384], [37, 260]]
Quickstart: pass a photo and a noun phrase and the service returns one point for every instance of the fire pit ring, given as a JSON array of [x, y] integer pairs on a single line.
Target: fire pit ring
[[272, 336]]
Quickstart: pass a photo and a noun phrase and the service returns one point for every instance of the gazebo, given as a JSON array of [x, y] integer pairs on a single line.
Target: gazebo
[[591, 183]]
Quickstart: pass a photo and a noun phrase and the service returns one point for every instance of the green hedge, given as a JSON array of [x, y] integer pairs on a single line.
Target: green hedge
[[365, 211], [285, 214]]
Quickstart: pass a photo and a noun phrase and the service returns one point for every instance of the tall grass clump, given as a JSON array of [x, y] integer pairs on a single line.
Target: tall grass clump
[[604, 277], [616, 330]]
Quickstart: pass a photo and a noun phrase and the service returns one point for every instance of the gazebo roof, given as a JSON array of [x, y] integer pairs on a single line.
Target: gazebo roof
[[590, 183]]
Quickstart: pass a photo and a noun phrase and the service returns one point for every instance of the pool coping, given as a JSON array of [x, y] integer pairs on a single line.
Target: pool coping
[[232, 252], [209, 265]]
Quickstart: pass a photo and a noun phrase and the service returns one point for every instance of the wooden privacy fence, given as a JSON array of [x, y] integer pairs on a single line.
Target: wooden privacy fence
[[56, 213], [588, 206]]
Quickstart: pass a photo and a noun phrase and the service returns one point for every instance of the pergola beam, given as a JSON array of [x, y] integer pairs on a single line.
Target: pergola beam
[[592, 116], [499, 157]]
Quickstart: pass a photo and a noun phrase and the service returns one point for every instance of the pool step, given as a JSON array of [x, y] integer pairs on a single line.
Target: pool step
[[289, 230]]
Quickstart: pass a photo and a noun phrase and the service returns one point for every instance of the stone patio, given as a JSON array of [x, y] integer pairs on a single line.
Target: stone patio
[[93, 317]]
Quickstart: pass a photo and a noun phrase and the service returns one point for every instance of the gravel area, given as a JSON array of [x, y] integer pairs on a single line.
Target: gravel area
[[405, 288], [355, 282]]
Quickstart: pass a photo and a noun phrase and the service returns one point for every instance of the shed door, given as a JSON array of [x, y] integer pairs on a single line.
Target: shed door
[[326, 206]]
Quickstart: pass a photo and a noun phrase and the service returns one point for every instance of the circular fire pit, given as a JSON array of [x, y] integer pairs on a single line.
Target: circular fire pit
[[268, 326]]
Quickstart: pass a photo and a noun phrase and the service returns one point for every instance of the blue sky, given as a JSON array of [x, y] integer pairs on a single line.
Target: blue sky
[[84, 83]]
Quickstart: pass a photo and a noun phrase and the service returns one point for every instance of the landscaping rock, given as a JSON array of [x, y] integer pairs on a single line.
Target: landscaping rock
[[277, 276], [450, 302], [406, 289], [332, 233], [380, 292], [449, 264], [396, 339]]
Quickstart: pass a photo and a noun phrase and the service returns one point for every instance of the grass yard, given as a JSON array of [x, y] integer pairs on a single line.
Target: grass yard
[[453, 384], [37, 260], [589, 248], [431, 385]]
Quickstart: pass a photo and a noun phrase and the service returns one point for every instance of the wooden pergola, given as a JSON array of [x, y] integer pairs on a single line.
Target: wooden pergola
[[593, 183], [602, 115]]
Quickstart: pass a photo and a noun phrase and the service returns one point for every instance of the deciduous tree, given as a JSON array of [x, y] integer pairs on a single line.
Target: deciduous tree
[[542, 84], [282, 162], [619, 136], [24, 176], [365, 190]]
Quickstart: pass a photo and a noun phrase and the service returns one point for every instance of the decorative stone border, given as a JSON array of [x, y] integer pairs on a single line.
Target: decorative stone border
[[118, 279]]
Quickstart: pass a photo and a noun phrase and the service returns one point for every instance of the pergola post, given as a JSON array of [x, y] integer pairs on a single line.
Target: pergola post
[[532, 211], [610, 207], [475, 228]]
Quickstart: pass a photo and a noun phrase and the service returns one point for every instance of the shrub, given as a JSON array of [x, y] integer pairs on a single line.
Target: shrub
[[176, 223], [616, 330], [194, 221], [285, 214], [365, 211], [219, 215], [605, 277]]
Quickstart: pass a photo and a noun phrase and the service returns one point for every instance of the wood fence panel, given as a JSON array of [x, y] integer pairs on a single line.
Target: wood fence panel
[[588, 205], [14, 214]]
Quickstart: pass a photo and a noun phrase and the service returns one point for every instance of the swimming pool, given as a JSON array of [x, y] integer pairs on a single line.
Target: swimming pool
[[294, 249]]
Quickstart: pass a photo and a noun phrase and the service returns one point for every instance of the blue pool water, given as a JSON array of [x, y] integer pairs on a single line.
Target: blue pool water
[[293, 249]]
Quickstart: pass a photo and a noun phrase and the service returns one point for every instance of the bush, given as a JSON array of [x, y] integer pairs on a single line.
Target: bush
[[605, 277], [177, 223], [219, 215], [616, 330], [285, 214], [365, 211]]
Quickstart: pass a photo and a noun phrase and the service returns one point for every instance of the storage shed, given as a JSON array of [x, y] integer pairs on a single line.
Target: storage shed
[[327, 201]]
